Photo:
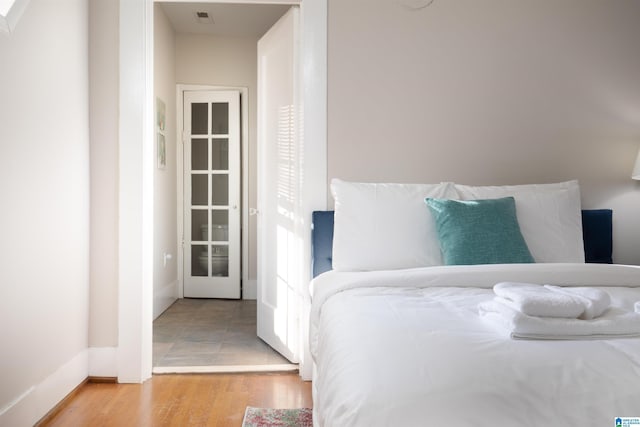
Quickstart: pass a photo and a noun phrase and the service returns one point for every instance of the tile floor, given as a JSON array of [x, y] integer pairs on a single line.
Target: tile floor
[[210, 332]]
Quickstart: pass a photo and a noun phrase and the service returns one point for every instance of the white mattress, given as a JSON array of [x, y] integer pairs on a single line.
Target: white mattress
[[407, 348]]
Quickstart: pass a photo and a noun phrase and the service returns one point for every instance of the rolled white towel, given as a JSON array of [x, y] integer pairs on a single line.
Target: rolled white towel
[[595, 301], [615, 323], [536, 300], [636, 306]]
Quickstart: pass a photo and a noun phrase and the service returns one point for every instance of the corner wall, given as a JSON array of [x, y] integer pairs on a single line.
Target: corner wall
[[104, 82], [44, 222], [490, 92]]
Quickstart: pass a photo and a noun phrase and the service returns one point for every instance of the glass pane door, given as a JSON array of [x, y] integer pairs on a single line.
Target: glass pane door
[[212, 175]]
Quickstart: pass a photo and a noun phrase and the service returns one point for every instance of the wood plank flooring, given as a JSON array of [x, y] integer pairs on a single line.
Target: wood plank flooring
[[181, 400]]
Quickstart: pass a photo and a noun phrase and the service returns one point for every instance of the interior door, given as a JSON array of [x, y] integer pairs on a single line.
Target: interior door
[[279, 248], [211, 232]]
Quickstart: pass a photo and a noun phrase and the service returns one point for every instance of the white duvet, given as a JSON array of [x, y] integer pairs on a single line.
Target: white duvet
[[407, 348]]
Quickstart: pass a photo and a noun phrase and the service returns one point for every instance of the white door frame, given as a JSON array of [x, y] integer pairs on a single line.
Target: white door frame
[[136, 163], [244, 132], [135, 193]]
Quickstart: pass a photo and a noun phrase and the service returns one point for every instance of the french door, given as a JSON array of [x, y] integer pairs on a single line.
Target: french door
[[211, 233]]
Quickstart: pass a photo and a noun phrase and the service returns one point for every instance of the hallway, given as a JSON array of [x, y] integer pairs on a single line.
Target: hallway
[[210, 332]]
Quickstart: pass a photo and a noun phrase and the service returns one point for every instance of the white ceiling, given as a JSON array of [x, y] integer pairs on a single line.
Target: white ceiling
[[236, 20]]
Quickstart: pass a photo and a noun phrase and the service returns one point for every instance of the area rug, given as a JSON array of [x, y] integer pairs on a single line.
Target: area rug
[[266, 417]]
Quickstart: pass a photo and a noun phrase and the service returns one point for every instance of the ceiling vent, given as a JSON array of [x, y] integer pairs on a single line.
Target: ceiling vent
[[203, 18]]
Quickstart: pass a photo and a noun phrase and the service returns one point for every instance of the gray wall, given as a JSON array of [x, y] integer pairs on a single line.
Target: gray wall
[[104, 70], [490, 92], [44, 220], [165, 240]]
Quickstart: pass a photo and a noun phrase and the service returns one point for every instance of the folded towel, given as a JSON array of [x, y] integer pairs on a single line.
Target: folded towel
[[595, 301], [615, 323], [536, 300]]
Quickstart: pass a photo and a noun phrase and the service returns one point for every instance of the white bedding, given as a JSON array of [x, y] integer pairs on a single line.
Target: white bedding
[[407, 348]]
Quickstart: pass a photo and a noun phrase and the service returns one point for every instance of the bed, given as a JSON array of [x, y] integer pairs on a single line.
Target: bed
[[404, 344]]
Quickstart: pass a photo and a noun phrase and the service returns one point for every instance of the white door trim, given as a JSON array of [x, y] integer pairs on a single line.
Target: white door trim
[[135, 195], [244, 131], [235, 1], [136, 162]]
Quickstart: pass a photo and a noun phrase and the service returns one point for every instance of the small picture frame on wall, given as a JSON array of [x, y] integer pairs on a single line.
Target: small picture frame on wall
[[161, 148], [161, 114], [162, 152]]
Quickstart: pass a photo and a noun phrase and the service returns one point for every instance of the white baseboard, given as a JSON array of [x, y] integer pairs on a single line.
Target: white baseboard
[[250, 289], [103, 362], [164, 297], [28, 408]]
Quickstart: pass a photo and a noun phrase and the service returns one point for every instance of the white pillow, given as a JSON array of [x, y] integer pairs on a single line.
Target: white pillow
[[385, 226], [549, 215]]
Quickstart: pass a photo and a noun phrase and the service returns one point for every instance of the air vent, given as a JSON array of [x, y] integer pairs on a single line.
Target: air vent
[[203, 18]]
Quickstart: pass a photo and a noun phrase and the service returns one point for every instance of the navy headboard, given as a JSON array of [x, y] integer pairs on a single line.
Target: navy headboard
[[321, 241], [596, 232]]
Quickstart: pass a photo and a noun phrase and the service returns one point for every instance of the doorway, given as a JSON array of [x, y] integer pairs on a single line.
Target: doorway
[[211, 197], [215, 108], [136, 247]]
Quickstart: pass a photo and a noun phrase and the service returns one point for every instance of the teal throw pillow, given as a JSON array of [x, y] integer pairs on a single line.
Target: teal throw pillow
[[479, 231]]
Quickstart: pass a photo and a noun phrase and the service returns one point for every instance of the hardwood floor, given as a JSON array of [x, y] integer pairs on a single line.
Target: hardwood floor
[[181, 400]]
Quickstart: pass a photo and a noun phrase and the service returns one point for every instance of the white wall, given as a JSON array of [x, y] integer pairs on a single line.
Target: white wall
[[103, 71], [44, 222], [165, 277], [490, 92], [225, 61]]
